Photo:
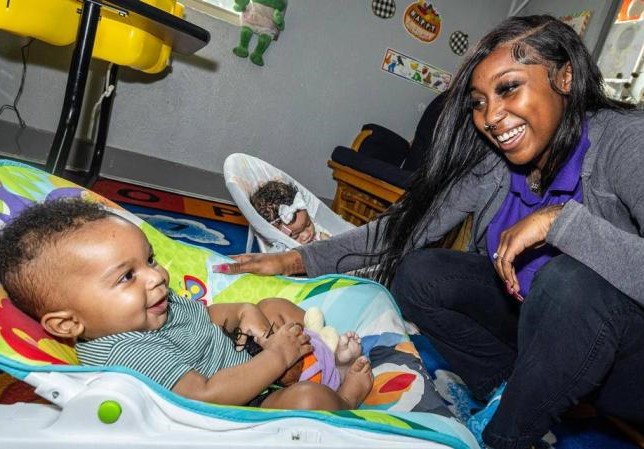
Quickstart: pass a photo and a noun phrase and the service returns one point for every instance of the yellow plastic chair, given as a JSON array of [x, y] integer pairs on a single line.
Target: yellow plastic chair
[[140, 34]]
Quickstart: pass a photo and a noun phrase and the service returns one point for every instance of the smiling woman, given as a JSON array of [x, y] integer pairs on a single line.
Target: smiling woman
[[551, 169]]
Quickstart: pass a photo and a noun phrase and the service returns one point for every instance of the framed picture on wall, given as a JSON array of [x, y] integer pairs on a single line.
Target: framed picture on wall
[[578, 21]]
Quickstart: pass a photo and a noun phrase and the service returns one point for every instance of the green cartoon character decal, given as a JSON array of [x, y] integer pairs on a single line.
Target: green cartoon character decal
[[262, 17]]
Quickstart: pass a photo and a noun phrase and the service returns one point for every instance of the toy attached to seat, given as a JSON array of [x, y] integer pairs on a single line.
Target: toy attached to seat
[[119, 405], [244, 174]]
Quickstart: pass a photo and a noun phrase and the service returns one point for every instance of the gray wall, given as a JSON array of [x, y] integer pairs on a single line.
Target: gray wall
[[321, 82]]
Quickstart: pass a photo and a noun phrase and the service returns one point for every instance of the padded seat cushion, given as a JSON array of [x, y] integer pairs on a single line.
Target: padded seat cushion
[[424, 131], [377, 168], [384, 145]]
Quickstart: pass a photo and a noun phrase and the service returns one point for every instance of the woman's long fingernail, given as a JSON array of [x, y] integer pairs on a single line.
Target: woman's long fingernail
[[221, 268]]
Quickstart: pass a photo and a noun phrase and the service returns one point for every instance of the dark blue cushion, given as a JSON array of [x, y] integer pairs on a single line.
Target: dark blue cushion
[[384, 145], [424, 132], [384, 171]]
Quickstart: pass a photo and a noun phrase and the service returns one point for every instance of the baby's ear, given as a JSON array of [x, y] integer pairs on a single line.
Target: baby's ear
[[62, 323]]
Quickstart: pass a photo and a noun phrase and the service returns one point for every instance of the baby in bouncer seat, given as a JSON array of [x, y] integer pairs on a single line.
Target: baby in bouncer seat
[[283, 206], [89, 275]]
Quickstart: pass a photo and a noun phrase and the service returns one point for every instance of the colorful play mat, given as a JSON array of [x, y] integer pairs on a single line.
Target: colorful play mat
[[216, 225]]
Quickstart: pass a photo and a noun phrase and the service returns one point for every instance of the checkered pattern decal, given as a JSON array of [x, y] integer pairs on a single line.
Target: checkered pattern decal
[[458, 42], [384, 9]]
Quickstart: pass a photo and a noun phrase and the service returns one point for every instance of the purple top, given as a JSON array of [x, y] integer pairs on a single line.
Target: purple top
[[521, 201]]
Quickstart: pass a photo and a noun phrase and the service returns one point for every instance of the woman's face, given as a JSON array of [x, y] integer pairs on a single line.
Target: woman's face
[[519, 103]]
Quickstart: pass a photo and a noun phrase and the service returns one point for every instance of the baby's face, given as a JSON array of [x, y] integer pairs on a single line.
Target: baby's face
[[111, 279], [301, 228]]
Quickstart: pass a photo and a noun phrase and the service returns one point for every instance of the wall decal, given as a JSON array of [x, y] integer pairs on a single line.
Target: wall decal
[[422, 21], [262, 17], [458, 42], [416, 71], [385, 9]]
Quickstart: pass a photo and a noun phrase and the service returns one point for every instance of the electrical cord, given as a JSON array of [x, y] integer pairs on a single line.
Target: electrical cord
[[24, 51], [109, 90]]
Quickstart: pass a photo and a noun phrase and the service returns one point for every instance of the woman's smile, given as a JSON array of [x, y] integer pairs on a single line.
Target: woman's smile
[[512, 136]]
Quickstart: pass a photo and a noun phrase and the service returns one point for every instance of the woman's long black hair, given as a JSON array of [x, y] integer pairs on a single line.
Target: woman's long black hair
[[457, 147]]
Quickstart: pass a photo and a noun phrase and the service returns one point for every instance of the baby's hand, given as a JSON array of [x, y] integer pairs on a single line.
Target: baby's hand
[[290, 343], [252, 321]]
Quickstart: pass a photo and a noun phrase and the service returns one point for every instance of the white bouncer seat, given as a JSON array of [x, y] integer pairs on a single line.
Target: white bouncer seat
[[244, 174]]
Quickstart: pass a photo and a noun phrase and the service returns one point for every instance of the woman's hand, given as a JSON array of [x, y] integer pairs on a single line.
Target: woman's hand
[[287, 263], [530, 232]]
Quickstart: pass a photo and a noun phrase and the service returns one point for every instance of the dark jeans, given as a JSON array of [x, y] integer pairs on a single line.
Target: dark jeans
[[575, 335]]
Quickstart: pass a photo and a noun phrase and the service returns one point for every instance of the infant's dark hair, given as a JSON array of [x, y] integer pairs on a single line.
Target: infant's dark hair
[[23, 240], [267, 198]]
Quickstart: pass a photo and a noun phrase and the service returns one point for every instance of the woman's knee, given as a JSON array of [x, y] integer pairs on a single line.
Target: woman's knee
[[565, 286], [415, 274], [561, 273], [437, 277]]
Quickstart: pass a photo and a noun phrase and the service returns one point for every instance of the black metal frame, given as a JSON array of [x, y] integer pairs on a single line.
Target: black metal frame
[[183, 36]]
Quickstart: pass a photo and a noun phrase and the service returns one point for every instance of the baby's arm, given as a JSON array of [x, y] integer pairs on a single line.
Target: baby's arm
[[257, 319], [239, 384], [248, 317], [279, 311]]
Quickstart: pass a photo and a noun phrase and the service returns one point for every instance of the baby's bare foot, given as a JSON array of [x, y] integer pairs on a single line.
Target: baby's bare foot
[[349, 349], [357, 382]]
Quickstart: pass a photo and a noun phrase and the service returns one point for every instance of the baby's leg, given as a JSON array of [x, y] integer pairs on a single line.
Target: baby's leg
[[306, 396], [348, 350], [281, 311], [313, 396], [357, 382]]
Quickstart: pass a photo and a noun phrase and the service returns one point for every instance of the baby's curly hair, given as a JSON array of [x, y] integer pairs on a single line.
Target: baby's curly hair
[[23, 242], [267, 198]]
